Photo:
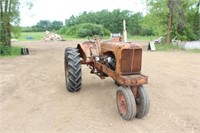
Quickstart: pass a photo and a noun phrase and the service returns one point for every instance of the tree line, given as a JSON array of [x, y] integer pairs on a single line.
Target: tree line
[[44, 25], [111, 21], [167, 18]]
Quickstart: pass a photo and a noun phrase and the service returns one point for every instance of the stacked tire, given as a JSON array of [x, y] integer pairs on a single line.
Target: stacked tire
[[24, 51]]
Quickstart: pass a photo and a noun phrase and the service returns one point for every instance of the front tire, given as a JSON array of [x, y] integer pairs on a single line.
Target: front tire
[[73, 74], [126, 103], [142, 102]]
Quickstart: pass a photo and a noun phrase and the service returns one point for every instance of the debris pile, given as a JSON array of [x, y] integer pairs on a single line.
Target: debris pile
[[50, 36]]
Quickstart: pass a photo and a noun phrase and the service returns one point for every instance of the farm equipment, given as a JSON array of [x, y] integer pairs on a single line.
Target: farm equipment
[[120, 60]]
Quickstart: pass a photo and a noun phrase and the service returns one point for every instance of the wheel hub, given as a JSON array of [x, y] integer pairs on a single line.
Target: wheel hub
[[122, 103]]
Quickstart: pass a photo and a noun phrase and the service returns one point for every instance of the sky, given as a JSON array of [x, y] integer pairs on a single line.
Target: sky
[[63, 9]]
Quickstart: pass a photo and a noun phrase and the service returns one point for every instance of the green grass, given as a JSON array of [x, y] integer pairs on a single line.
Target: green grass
[[12, 51], [39, 36], [165, 47], [193, 50], [35, 35]]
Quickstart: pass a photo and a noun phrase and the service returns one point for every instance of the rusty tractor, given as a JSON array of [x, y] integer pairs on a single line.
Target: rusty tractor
[[118, 59]]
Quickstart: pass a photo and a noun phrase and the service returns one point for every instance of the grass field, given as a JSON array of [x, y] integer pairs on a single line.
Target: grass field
[[39, 36], [34, 35]]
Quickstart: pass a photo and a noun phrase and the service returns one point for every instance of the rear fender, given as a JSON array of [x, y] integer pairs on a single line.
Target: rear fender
[[87, 50]]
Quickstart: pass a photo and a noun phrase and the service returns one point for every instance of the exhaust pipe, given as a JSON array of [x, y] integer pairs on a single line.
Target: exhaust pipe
[[124, 31]]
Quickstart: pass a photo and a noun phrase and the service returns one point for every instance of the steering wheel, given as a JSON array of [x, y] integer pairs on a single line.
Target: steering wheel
[[95, 38]]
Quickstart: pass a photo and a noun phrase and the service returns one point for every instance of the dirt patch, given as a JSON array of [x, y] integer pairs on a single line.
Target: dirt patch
[[34, 97]]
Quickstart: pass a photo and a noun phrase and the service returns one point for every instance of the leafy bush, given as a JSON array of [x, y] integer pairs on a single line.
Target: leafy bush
[[81, 32], [62, 30], [106, 32], [86, 29], [71, 31], [6, 50]]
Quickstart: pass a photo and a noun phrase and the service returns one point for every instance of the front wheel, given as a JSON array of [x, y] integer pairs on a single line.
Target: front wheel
[[126, 103], [73, 74], [142, 102]]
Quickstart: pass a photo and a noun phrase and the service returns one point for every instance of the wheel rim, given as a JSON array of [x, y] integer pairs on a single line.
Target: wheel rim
[[121, 101]]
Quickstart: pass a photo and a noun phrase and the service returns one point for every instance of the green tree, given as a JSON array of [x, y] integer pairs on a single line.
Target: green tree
[[56, 25], [43, 25], [134, 22], [71, 21], [16, 31], [87, 29], [9, 16], [156, 18], [9, 11], [187, 20], [109, 20], [170, 18]]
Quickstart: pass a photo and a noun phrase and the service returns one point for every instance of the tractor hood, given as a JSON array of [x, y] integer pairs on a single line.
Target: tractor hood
[[112, 46]]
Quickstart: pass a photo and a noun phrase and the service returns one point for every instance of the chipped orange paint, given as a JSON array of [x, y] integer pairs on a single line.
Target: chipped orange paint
[[128, 61]]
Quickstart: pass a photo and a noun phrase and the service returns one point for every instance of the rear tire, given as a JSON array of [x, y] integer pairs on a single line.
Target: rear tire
[[126, 103], [73, 74]]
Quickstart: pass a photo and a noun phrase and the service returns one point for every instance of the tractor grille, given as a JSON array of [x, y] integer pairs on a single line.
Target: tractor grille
[[131, 61]]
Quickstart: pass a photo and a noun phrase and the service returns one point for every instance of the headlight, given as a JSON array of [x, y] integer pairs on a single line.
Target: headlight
[[97, 58]]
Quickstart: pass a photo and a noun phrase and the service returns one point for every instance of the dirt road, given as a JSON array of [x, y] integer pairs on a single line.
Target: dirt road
[[34, 98]]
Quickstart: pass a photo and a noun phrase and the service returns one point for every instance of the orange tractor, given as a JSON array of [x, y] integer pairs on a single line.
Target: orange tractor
[[120, 60]]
